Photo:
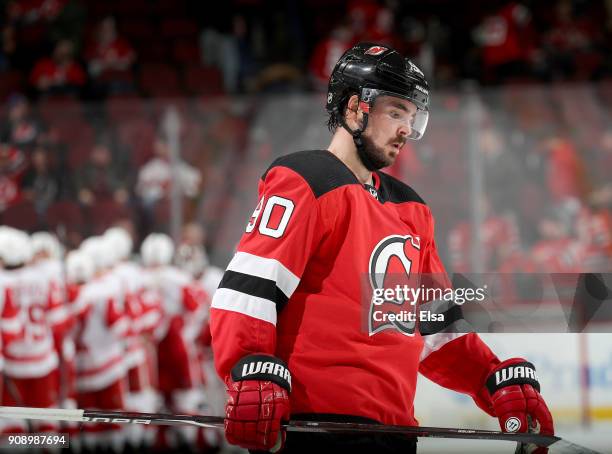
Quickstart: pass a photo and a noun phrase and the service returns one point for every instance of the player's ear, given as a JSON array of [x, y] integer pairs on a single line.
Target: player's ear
[[353, 114]]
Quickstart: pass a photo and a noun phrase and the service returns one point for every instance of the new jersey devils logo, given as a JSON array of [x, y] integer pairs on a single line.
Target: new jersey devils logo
[[376, 50], [391, 263]]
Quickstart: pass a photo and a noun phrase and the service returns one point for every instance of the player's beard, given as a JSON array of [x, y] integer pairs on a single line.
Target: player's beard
[[372, 156]]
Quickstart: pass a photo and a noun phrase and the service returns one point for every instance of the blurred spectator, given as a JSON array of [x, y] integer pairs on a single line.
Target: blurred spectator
[[565, 173], [57, 19], [382, 30], [508, 43], [231, 53], [327, 52], [13, 164], [600, 171], [498, 243], [8, 48], [193, 234], [109, 54], [156, 176], [42, 184], [594, 231], [60, 73], [362, 15], [192, 257], [556, 251], [101, 178], [31, 11], [501, 169], [570, 44], [21, 129]]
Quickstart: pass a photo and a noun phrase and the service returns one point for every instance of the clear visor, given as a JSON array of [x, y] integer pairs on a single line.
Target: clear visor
[[419, 124]]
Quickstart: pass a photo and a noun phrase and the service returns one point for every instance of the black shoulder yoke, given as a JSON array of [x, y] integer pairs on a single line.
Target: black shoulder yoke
[[322, 170], [394, 191]]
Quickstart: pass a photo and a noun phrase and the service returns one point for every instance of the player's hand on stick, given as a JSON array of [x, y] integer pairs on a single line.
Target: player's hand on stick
[[258, 389], [517, 402]]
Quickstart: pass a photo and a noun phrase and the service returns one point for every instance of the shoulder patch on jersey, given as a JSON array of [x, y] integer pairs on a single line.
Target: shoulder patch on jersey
[[322, 170], [394, 191]]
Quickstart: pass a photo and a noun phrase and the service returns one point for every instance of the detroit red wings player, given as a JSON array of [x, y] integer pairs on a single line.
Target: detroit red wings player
[[102, 325], [31, 362], [11, 326], [80, 270], [185, 308], [144, 310], [286, 320], [47, 264]]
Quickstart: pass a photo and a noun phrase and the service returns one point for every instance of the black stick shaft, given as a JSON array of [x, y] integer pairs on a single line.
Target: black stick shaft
[[556, 444], [329, 427]]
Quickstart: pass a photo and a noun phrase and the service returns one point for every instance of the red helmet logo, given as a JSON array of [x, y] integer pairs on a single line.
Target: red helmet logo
[[376, 50]]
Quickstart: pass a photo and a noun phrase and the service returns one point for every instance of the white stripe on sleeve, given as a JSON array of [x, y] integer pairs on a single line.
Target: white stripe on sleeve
[[266, 268], [434, 342], [253, 306]]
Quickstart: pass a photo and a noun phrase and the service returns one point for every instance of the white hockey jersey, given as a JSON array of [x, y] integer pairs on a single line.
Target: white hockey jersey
[[181, 296], [41, 309], [143, 308], [102, 325], [211, 278], [185, 309], [11, 327]]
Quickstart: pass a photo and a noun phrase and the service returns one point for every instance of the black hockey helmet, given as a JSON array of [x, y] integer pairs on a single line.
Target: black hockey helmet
[[370, 70]]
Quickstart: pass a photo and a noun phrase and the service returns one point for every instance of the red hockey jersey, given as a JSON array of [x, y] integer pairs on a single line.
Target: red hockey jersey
[[294, 289]]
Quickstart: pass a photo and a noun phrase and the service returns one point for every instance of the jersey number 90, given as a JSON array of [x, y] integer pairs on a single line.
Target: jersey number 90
[[264, 228]]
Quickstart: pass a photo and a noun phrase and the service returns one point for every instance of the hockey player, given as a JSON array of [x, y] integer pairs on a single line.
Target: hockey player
[[184, 307], [191, 257], [102, 327], [287, 318], [11, 327], [143, 307], [47, 253], [31, 363], [47, 265], [79, 272]]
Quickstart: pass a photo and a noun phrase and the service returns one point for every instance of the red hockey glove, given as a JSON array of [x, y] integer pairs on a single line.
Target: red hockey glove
[[516, 399], [258, 390]]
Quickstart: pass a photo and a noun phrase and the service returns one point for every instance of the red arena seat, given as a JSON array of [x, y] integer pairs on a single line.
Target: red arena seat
[[22, 216], [159, 80], [204, 80]]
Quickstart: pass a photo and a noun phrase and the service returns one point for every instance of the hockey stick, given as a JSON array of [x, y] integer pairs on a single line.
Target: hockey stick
[[556, 444]]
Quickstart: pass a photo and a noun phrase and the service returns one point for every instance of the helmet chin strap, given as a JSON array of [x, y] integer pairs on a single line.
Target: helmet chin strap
[[358, 140]]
